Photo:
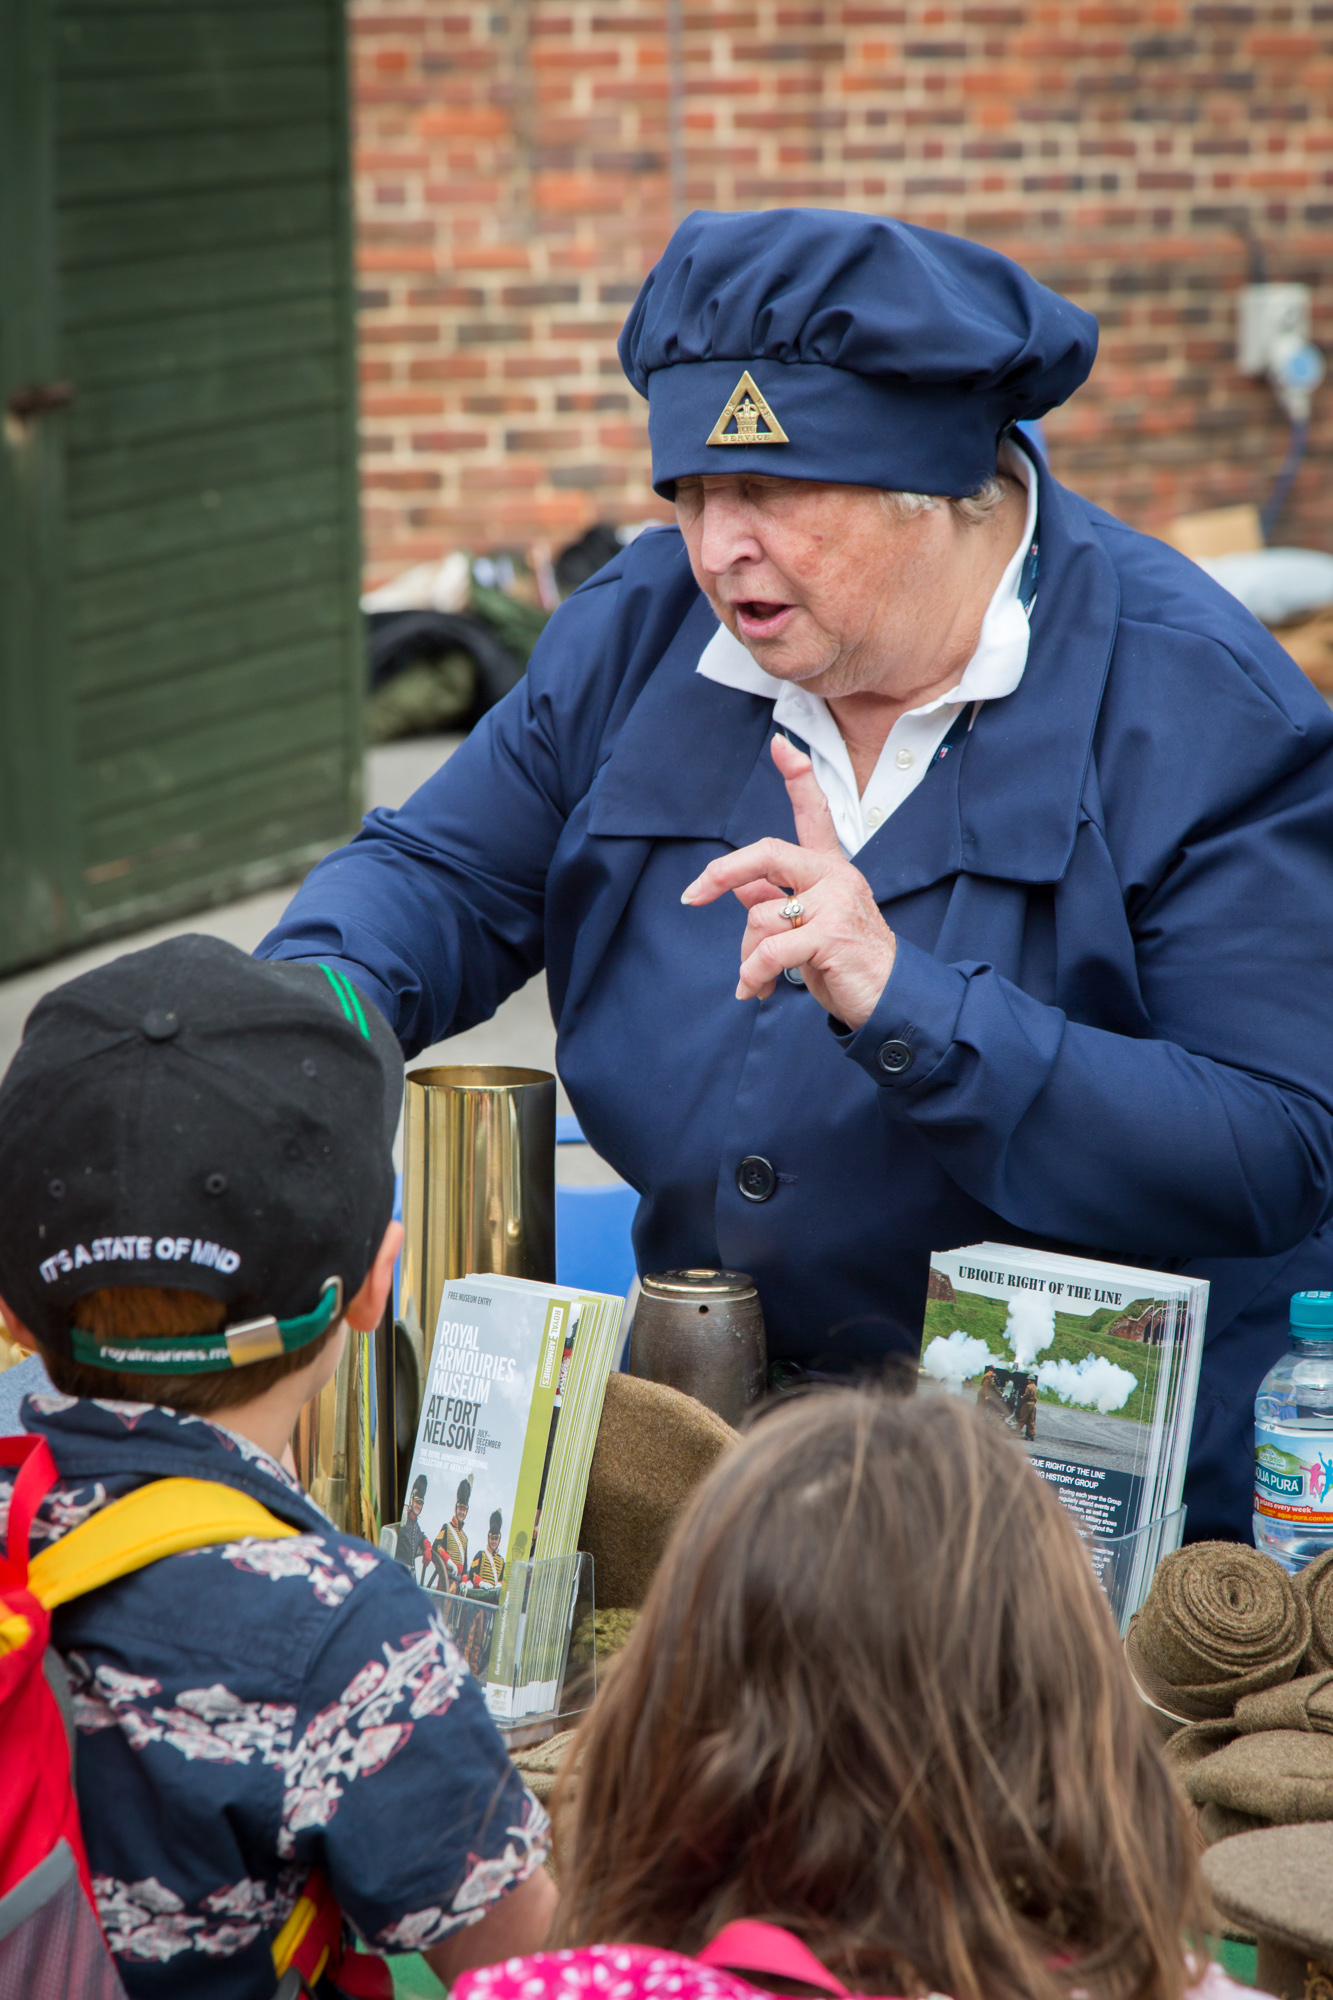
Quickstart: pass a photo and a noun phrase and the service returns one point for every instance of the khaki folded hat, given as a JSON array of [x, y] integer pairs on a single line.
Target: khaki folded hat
[[1306, 1703], [1269, 1763], [654, 1447], [1281, 1776], [1277, 1886]]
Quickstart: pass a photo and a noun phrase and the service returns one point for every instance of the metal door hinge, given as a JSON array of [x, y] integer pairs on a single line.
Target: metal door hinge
[[38, 399]]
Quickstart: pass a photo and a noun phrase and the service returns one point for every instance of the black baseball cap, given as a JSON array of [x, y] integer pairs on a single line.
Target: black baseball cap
[[189, 1117]]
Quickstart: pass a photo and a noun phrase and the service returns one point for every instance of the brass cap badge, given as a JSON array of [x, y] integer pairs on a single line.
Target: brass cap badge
[[747, 406]]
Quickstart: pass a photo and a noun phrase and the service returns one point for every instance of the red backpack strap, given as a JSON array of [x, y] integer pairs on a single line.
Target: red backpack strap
[[311, 1943], [311, 1940], [36, 1476], [750, 1946]]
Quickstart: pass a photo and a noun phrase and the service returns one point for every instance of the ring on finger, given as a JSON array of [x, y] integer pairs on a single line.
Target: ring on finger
[[793, 912]]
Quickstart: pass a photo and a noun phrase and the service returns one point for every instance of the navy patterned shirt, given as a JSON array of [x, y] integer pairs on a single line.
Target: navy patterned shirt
[[248, 1712]]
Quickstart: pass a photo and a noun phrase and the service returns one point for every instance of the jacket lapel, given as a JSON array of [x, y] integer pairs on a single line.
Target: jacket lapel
[[1021, 779], [686, 751]]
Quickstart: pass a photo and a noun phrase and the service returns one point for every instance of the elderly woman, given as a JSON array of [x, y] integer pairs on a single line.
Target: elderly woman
[[916, 854]]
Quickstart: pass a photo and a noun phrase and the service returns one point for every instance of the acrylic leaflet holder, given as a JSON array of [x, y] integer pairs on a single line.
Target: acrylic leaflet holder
[[1124, 1565], [531, 1643]]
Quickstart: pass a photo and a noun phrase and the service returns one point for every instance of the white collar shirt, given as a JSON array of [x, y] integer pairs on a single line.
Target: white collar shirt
[[994, 670]]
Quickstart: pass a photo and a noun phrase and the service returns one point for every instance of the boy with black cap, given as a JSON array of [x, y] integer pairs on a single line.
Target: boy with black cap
[[195, 1154]]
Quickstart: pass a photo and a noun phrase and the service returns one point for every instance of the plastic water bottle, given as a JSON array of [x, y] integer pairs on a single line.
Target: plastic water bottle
[[1293, 1440]]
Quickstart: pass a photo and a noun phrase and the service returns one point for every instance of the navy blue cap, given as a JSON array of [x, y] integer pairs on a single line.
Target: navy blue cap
[[814, 343]]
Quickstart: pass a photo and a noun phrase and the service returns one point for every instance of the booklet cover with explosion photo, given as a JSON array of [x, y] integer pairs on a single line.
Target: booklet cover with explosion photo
[[1095, 1367]]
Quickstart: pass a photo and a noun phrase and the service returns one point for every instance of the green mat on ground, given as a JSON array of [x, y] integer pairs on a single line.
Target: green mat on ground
[[414, 1980], [1235, 1958]]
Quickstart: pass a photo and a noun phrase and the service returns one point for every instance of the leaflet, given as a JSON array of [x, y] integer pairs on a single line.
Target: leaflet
[[1095, 1367], [499, 1473]]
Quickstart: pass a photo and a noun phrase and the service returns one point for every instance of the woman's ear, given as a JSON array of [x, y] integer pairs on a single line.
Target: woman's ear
[[366, 1310]]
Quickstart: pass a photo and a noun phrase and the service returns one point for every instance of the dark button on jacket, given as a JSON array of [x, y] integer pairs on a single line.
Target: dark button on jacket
[[755, 1177]]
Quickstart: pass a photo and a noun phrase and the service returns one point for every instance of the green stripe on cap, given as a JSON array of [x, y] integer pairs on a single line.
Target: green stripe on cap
[[355, 999], [199, 1353], [349, 998], [332, 978]]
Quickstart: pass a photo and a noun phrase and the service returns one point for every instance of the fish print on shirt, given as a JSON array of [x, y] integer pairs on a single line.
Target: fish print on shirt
[[525, 1850], [268, 1736], [365, 1727], [146, 1922], [305, 1556], [209, 1724]]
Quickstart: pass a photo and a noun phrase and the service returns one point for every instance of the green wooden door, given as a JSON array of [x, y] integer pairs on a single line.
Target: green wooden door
[[38, 845], [204, 644]]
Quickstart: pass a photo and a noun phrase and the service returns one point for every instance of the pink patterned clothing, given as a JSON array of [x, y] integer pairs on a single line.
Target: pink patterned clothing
[[646, 1972], [603, 1972]]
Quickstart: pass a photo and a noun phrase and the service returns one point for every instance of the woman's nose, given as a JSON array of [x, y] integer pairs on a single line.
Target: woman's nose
[[728, 535]]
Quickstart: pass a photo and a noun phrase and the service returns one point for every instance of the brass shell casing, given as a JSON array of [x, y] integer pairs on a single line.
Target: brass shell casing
[[340, 1439], [478, 1195]]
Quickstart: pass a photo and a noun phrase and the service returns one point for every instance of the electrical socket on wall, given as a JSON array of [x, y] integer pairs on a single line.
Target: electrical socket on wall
[[1272, 317], [1273, 339]]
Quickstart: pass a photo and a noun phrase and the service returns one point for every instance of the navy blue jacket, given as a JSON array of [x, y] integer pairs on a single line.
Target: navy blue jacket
[[1114, 907]]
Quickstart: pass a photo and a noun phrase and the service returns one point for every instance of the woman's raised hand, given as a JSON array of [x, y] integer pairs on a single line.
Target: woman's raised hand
[[842, 944]]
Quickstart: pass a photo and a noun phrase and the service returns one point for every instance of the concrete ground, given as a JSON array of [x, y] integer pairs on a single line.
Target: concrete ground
[[521, 1033]]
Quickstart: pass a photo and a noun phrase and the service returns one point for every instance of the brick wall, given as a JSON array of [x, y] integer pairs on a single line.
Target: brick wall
[[519, 167]]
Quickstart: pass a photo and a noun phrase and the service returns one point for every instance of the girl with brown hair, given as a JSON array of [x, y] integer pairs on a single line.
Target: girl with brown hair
[[876, 1697]]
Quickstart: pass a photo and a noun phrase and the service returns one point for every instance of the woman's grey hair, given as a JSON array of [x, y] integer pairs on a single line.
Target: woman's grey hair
[[972, 509]]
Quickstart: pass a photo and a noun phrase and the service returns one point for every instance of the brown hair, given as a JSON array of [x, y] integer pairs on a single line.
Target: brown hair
[[121, 1312], [875, 1695]]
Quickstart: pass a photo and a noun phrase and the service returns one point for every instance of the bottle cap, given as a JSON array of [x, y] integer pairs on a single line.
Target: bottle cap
[[1312, 1315]]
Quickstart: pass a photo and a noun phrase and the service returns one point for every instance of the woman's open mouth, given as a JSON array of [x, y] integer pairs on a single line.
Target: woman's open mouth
[[758, 618]]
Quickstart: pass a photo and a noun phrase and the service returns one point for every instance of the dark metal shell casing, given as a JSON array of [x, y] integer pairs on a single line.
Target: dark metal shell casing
[[702, 1332]]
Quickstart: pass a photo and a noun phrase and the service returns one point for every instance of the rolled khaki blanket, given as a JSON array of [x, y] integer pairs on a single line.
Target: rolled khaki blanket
[[540, 1766], [1315, 1583], [1220, 1621]]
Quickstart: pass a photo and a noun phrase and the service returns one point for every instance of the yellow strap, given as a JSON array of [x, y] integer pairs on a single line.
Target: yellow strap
[[156, 1520], [15, 1631], [289, 1939]]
